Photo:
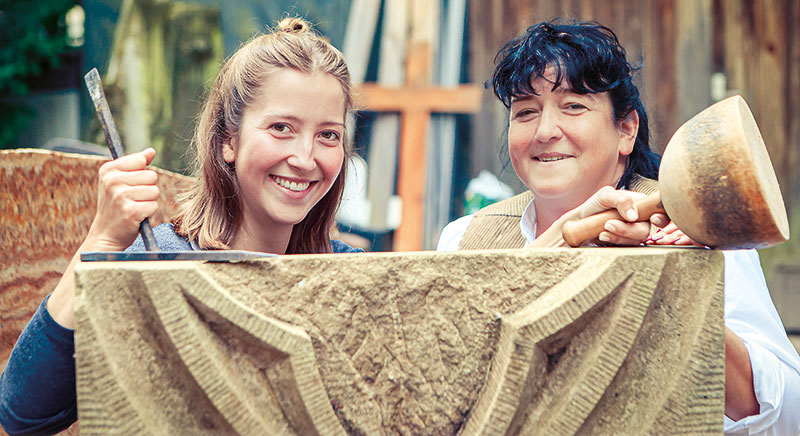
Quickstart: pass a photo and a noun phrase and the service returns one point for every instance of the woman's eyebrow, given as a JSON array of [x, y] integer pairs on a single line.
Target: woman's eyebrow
[[519, 98]]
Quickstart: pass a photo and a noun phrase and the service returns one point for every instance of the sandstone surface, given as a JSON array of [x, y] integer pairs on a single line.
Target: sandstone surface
[[562, 341]]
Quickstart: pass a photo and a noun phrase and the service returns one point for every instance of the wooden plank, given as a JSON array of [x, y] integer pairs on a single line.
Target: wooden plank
[[693, 56], [755, 55], [358, 38], [382, 158], [793, 109], [659, 71], [441, 153], [486, 25], [411, 180], [457, 99]]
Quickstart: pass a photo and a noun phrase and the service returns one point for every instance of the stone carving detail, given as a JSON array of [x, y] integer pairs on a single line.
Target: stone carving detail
[[583, 341]]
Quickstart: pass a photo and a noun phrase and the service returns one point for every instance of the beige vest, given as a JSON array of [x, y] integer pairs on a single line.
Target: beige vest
[[497, 226]]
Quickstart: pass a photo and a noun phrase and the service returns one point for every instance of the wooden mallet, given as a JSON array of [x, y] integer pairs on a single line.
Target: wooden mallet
[[716, 183]]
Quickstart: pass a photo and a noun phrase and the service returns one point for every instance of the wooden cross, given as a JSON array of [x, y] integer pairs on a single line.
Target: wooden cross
[[415, 102]]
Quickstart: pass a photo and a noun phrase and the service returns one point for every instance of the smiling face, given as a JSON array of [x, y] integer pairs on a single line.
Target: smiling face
[[565, 146], [289, 150]]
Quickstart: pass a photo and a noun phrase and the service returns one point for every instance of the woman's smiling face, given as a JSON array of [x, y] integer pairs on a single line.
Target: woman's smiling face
[[289, 149], [565, 146]]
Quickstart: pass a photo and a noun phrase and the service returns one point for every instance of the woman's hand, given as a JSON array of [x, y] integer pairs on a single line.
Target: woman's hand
[[631, 232], [617, 232], [127, 194], [668, 234]]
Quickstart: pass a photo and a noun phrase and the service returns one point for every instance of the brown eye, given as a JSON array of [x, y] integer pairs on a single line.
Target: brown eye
[[281, 128], [575, 108], [525, 114], [330, 137]]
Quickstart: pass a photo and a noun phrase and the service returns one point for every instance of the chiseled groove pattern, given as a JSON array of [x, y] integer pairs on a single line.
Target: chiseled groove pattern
[[210, 372], [117, 415], [707, 401], [636, 292], [499, 399], [503, 399]]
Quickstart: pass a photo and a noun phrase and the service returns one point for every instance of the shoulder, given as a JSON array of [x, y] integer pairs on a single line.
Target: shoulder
[[340, 247], [166, 238], [453, 233]]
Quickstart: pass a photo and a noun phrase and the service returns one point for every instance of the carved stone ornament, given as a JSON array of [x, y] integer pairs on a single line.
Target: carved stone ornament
[[553, 342]]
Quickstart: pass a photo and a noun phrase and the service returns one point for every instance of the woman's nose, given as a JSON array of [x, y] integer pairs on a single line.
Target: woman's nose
[[302, 155], [549, 127]]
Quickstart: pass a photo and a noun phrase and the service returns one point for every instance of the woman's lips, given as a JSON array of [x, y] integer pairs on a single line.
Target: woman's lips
[[292, 185], [551, 157]]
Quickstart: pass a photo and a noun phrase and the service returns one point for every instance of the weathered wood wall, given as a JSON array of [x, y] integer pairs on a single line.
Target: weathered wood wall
[[755, 44]]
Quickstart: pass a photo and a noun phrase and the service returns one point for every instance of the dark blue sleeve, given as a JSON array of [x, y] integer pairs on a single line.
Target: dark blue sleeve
[[37, 388], [341, 247]]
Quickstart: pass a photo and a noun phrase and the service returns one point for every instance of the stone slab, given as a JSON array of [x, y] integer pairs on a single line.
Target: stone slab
[[561, 341]]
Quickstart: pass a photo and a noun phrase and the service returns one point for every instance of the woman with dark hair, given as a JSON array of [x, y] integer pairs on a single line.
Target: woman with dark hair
[[577, 130], [269, 151]]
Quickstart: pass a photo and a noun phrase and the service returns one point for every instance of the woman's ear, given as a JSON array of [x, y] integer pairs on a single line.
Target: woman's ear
[[228, 151], [628, 129]]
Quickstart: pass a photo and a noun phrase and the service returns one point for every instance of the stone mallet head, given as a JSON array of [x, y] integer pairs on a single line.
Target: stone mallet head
[[716, 183]]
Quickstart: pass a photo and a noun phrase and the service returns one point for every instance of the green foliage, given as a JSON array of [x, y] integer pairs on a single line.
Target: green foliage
[[32, 41]]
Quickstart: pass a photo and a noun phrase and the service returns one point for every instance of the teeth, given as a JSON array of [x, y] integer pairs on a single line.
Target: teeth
[[292, 186], [550, 159]]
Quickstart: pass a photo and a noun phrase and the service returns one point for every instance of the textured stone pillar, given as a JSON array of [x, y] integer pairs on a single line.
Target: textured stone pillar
[[563, 341]]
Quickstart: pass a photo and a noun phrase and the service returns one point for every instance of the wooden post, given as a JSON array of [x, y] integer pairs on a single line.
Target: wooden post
[[415, 102]]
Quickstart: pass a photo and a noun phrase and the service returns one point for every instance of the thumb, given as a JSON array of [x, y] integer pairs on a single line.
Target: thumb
[[149, 154]]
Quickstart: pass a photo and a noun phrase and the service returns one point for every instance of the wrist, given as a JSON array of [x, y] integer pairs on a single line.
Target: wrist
[[100, 242]]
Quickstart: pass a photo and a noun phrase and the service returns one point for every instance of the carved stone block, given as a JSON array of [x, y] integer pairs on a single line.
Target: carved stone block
[[564, 341]]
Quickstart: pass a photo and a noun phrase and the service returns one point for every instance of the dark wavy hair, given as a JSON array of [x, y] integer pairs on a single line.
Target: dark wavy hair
[[590, 58]]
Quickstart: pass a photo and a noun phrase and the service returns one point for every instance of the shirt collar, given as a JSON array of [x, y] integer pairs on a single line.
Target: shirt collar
[[527, 224]]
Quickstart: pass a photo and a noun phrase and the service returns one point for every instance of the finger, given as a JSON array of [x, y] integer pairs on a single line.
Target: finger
[[609, 198], [622, 201], [659, 219], [669, 239], [131, 162], [143, 193], [114, 178], [683, 240], [611, 238], [637, 231], [671, 228], [137, 178], [134, 212]]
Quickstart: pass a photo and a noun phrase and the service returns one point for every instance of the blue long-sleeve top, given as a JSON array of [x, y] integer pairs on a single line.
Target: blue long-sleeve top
[[37, 388]]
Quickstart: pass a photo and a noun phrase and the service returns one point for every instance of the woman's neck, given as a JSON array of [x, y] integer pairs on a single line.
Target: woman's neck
[[264, 238], [547, 212]]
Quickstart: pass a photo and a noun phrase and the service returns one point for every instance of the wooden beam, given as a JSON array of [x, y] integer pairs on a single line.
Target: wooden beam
[[458, 99]]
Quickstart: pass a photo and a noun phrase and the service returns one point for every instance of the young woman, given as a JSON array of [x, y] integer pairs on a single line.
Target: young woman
[[270, 149], [577, 129]]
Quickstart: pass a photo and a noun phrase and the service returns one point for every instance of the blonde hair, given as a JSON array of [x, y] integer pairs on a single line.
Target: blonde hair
[[211, 210]]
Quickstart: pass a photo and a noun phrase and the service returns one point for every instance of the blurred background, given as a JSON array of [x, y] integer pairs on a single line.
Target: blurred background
[[157, 57]]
